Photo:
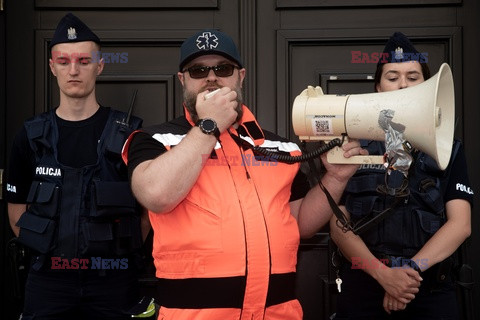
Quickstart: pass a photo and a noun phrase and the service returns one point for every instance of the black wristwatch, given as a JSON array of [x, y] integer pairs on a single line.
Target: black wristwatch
[[208, 126]]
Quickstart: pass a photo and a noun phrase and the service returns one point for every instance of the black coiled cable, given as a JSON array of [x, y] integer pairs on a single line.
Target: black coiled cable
[[304, 157]]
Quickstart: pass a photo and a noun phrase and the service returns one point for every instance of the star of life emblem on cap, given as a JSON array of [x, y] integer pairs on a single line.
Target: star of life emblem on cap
[[72, 34], [399, 53], [207, 41]]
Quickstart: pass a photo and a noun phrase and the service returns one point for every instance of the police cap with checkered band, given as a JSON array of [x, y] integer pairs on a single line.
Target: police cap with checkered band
[[209, 42]]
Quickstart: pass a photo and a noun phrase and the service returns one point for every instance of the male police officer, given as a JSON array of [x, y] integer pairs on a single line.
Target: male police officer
[[69, 201]]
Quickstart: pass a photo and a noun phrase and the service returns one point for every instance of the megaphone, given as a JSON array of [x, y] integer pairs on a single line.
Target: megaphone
[[425, 111]]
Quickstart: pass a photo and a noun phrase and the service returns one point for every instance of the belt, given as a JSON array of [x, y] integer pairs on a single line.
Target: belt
[[203, 293]]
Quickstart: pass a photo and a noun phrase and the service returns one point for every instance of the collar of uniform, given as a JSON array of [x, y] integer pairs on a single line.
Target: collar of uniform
[[251, 127], [248, 125]]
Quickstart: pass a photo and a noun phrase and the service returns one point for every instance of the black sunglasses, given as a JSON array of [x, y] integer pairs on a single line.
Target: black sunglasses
[[223, 70]]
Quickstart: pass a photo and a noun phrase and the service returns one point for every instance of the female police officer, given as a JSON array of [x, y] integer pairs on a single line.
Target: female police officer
[[418, 236]]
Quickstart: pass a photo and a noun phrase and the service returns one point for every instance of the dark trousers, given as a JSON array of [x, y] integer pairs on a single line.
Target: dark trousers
[[362, 298], [80, 294]]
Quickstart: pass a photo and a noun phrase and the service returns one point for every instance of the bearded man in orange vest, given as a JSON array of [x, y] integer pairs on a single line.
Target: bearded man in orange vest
[[227, 221]]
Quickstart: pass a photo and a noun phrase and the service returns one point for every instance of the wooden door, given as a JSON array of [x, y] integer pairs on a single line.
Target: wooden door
[[285, 44]]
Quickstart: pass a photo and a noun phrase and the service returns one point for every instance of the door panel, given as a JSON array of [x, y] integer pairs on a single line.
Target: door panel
[[153, 101]]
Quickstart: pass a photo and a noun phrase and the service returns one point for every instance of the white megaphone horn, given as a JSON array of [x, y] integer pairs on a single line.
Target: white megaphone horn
[[426, 111]]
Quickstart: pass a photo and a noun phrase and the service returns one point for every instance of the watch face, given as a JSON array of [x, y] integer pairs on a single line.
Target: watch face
[[208, 125]]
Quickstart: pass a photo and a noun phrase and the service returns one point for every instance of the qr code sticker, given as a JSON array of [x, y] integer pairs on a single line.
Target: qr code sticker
[[321, 126]]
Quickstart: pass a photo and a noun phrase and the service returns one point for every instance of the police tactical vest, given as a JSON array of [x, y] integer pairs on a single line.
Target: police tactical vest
[[75, 212], [414, 219]]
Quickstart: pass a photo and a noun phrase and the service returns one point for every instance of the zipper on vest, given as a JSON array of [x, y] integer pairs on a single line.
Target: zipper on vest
[[244, 163], [238, 141]]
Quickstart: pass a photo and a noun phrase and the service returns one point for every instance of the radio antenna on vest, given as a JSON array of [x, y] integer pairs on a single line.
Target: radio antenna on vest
[[132, 103]]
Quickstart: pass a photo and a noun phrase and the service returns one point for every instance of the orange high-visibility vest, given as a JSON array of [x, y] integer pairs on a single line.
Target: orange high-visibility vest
[[229, 249]]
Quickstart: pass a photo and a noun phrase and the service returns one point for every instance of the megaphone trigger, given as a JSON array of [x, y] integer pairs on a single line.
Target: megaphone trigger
[[407, 146], [335, 155]]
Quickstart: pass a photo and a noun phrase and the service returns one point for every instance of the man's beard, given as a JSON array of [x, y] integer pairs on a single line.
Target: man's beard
[[190, 100]]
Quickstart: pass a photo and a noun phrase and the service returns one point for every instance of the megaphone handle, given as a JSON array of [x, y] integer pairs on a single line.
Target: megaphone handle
[[335, 156]]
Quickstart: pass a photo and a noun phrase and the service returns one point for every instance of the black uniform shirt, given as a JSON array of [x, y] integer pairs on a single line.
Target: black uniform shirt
[[458, 186]]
